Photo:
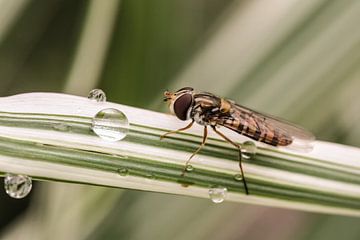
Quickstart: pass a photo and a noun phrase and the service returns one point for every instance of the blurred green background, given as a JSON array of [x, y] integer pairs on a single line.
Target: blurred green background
[[295, 59]]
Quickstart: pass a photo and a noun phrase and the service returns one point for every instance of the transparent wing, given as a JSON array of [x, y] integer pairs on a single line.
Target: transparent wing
[[302, 138]]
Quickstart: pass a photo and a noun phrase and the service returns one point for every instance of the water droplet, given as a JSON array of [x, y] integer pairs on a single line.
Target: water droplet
[[110, 124], [150, 176], [17, 185], [238, 177], [123, 172], [189, 168], [248, 149], [97, 95], [217, 194], [62, 127]]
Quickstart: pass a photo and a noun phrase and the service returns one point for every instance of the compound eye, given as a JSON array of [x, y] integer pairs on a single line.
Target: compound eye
[[182, 105], [185, 89]]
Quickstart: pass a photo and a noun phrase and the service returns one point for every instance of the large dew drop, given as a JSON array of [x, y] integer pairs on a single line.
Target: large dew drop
[[110, 124], [17, 186], [97, 95], [217, 194]]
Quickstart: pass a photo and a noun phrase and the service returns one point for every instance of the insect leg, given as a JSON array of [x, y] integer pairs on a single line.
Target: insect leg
[[240, 155], [179, 130], [197, 150]]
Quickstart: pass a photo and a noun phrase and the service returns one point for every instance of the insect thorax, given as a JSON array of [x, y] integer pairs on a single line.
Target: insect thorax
[[204, 108]]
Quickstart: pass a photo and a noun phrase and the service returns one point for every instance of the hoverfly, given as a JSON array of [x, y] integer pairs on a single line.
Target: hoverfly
[[210, 110]]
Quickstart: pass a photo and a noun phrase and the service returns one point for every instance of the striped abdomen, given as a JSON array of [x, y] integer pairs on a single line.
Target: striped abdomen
[[258, 131]]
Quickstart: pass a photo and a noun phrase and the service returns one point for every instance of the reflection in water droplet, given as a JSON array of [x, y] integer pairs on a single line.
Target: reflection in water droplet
[[189, 168], [110, 124], [123, 171], [61, 127], [17, 186], [248, 149], [238, 177], [217, 194], [97, 95]]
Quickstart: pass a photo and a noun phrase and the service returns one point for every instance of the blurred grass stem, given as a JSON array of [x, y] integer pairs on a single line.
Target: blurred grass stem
[[92, 47]]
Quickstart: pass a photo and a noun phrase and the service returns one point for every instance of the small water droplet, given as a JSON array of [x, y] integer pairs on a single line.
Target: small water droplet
[[97, 95], [189, 168], [17, 185], [217, 194], [150, 176], [123, 172], [248, 149], [110, 124], [238, 177], [62, 127]]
